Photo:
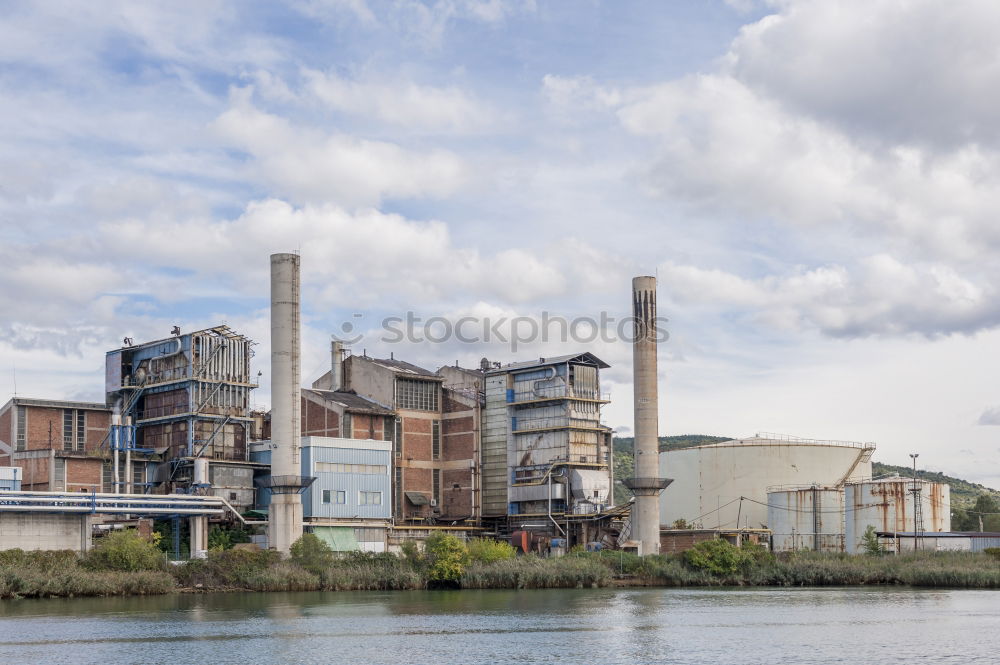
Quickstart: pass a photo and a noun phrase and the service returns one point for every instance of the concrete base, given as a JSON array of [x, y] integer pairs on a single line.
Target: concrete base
[[199, 537], [45, 531], [645, 524], [284, 521]]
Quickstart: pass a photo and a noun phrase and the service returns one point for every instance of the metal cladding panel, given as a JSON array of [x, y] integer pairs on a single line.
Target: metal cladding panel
[[888, 505], [494, 446], [590, 485], [806, 519], [537, 492], [349, 483], [709, 480]]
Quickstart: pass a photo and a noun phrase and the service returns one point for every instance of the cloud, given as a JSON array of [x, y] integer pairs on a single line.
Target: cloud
[[990, 416], [911, 73], [879, 296], [401, 102], [311, 165]]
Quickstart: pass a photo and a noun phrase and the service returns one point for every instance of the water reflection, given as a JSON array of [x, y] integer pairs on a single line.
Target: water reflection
[[443, 627]]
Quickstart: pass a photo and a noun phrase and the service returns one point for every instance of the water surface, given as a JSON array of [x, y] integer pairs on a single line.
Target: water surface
[[545, 626]]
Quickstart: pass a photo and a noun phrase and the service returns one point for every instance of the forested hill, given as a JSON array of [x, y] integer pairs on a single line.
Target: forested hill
[[963, 493]]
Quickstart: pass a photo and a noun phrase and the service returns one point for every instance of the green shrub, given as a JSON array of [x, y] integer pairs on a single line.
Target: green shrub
[[533, 572], [486, 550], [718, 557], [125, 551], [447, 557], [220, 538], [993, 552], [311, 553], [870, 540]]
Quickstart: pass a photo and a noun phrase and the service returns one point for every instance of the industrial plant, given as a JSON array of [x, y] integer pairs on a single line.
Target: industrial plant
[[380, 451]]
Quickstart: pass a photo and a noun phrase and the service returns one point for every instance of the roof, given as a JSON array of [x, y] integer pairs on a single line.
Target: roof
[[765, 439], [351, 401], [220, 331], [417, 498], [401, 367], [585, 358], [58, 404], [939, 534]]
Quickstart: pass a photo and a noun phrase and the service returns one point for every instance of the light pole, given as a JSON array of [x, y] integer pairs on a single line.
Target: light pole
[[916, 504]]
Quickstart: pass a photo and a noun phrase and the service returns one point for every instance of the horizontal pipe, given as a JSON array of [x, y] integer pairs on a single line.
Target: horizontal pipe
[[137, 510]]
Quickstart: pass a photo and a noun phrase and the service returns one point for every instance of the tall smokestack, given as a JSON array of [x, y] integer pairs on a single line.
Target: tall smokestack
[[285, 514], [646, 484]]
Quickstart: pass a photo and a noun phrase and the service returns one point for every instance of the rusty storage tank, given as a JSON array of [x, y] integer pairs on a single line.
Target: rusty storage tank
[[806, 518], [724, 485], [888, 505]]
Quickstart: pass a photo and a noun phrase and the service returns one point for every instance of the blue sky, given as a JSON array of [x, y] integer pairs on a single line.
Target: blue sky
[[814, 183]]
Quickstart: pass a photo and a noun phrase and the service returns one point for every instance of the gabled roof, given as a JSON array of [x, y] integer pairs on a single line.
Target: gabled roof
[[585, 358], [401, 367], [351, 401]]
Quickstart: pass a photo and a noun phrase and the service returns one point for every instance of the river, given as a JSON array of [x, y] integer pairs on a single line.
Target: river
[[794, 626]]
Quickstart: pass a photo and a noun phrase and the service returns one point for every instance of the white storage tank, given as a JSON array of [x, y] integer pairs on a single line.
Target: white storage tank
[[887, 505], [709, 480], [806, 518]]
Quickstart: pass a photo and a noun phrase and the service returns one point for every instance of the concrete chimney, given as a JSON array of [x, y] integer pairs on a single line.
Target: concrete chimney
[[336, 365], [646, 484], [285, 513]]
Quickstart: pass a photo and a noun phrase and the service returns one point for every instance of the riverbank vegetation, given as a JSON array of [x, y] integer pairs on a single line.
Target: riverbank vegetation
[[126, 564]]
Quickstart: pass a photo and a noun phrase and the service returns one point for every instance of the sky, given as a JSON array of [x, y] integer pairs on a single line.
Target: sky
[[815, 185]]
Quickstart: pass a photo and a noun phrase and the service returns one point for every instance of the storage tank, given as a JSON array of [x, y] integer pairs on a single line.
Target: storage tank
[[887, 504], [709, 480], [806, 518]]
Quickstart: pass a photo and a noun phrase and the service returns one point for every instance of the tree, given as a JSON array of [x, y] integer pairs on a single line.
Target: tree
[[870, 542], [448, 557], [312, 554]]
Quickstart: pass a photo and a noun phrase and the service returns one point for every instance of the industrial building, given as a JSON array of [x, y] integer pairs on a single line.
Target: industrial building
[[546, 456], [179, 399], [724, 485], [57, 445], [348, 504]]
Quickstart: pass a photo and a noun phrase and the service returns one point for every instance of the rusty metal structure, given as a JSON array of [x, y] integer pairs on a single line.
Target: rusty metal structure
[[889, 505]]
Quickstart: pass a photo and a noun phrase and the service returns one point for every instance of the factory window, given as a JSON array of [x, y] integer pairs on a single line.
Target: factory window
[[388, 431], [106, 480], [416, 395], [74, 429], [398, 489], [21, 443], [436, 488], [366, 498], [138, 478], [59, 475], [397, 439], [348, 426], [337, 467], [436, 439], [334, 496]]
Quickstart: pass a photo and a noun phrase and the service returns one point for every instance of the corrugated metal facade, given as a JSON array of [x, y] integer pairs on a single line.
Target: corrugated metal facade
[[352, 484], [494, 442]]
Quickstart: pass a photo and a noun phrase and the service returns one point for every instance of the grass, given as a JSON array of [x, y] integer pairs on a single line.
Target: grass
[[121, 566]]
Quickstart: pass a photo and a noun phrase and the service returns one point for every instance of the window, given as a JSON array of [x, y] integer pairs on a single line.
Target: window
[[337, 467], [416, 395], [334, 496], [366, 498], [81, 429], [138, 478], [348, 426], [436, 439], [388, 428], [398, 489], [397, 441], [74, 429], [106, 480], [59, 479], [436, 488], [21, 443]]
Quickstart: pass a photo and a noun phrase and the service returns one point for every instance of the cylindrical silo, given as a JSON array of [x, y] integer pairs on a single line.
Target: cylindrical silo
[[806, 518], [887, 505]]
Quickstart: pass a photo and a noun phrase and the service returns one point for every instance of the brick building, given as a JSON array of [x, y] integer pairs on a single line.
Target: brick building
[[57, 444]]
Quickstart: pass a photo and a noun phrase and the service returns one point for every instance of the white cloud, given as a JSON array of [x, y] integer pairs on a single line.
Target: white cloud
[[313, 165], [915, 72], [401, 102]]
